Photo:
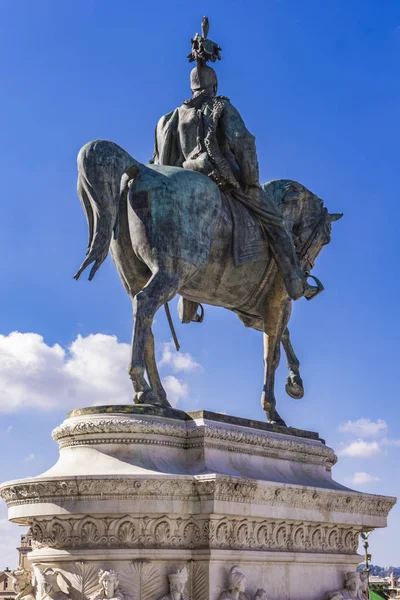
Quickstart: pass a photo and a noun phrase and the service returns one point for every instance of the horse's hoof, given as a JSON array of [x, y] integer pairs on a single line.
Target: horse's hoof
[[149, 397], [162, 399], [294, 387], [277, 421]]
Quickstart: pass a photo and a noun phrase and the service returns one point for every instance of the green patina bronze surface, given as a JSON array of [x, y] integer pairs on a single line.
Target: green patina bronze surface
[[196, 222]]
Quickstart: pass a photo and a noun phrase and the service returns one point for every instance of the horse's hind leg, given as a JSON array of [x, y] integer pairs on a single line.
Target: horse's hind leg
[[161, 288], [294, 382], [152, 370]]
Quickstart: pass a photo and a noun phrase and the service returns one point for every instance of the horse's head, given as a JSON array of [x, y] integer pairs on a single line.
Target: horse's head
[[309, 220]]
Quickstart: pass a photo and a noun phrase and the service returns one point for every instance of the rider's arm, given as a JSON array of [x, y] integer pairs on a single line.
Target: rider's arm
[[241, 143]]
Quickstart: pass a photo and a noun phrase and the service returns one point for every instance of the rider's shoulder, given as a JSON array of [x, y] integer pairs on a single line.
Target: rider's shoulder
[[167, 118]]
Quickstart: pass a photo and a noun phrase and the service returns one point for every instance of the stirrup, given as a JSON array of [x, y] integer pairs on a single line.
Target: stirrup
[[311, 291]]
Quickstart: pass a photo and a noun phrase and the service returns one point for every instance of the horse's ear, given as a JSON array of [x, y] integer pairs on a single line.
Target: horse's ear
[[335, 216]]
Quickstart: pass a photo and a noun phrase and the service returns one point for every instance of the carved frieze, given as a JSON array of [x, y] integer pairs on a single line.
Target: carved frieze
[[190, 532], [226, 489], [89, 427], [260, 443]]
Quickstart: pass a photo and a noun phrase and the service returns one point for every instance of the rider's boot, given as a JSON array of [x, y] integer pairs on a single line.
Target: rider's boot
[[298, 286], [187, 310], [281, 243]]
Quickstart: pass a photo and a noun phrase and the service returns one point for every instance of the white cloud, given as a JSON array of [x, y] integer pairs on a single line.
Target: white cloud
[[179, 361], [29, 458], [360, 449], [364, 427], [361, 478], [92, 371], [176, 389]]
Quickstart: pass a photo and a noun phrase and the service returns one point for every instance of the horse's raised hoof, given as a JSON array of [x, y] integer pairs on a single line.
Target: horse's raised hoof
[[294, 387], [149, 397]]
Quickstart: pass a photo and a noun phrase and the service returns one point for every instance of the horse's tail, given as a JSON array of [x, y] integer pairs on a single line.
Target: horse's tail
[[101, 165]]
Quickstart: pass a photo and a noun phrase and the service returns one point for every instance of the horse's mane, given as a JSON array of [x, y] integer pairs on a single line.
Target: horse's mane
[[285, 192]]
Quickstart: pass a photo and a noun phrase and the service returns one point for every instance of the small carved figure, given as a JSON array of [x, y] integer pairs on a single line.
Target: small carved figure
[[109, 586], [352, 583], [54, 586], [177, 584], [236, 586], [23, 584]]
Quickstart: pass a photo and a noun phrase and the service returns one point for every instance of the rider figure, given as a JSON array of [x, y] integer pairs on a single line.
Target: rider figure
[[207, 134]]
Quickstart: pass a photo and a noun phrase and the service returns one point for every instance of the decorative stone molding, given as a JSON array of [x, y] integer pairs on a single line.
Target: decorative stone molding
[[298, 450], [226, 489], [96, 489], [237, 490], [190, 532], [117, 426]]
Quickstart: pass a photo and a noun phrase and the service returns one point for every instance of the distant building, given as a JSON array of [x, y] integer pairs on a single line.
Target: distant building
[[6, 590]]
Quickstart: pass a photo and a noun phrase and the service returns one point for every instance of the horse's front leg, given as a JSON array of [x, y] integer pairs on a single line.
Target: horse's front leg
[[161, 288], [273, 330], [152, 371], [294, 383]]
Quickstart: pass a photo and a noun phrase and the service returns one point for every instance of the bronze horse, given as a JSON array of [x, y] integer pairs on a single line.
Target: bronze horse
[[170, 231]]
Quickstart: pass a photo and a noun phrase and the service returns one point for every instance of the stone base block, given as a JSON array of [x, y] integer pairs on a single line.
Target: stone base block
[[192, 504]]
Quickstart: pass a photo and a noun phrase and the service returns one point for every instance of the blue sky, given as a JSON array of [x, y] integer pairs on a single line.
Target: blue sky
[[318, 83]]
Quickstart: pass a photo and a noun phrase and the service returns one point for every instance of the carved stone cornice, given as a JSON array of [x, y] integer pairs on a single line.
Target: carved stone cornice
[[97, 489], [227, 489], [188, 532], [123, 430], [274, 445], [117, 425], [248, 491]]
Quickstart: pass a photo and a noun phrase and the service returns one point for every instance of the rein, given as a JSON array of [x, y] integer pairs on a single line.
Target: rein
[[308, 243]]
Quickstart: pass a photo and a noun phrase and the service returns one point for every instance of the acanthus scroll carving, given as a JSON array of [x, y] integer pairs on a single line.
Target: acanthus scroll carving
[[190, 532]]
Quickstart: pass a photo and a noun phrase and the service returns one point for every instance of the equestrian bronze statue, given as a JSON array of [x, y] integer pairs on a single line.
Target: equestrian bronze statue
[[196, 222]]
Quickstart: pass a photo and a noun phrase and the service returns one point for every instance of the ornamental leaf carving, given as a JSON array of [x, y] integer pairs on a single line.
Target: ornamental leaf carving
[[196, 588], [140, 580], [85, 579], [186, 532]]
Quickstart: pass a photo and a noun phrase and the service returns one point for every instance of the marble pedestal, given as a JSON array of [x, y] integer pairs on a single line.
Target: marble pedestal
[[147, 492]]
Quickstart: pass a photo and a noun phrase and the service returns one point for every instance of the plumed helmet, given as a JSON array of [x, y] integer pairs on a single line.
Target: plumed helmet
[[203, 77], [235, 576], [180, 575], [351, 575]]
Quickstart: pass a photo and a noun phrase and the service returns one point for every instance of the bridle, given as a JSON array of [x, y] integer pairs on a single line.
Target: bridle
[[303, 254]]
